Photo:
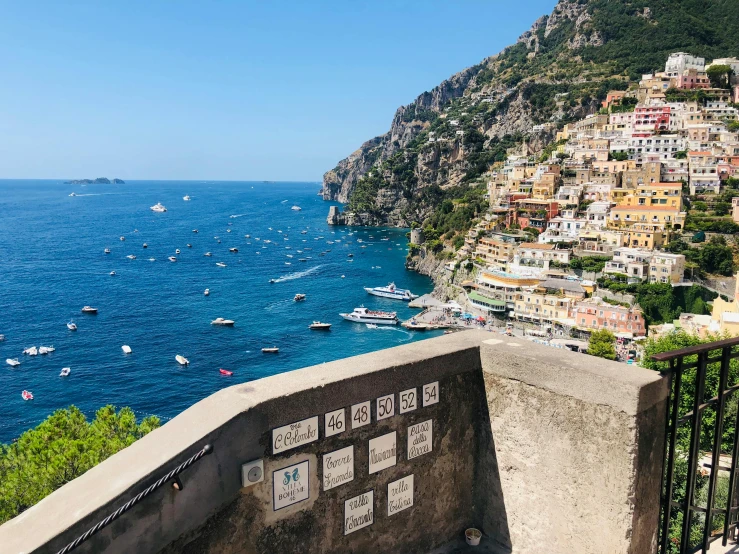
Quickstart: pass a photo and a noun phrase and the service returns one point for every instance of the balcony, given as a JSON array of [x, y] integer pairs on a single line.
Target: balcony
[[485, 425]]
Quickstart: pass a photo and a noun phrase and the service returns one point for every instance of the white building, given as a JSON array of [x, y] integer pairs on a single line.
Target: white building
[[678, 62], [633, 262], [597, 214], [562, 229]]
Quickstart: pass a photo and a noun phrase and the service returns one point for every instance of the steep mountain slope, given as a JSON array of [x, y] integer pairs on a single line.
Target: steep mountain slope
[[439, 145]]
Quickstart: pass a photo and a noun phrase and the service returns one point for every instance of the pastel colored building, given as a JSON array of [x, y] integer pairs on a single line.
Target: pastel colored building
[[594, 314]]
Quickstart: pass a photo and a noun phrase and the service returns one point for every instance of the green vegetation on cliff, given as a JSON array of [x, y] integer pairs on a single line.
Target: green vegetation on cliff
[[60, 449]]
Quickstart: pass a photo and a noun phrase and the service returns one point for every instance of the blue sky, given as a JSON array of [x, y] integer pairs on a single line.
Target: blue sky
[[226, 89]]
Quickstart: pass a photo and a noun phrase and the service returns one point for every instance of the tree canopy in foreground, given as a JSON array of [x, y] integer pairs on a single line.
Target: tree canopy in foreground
[[61, 448]]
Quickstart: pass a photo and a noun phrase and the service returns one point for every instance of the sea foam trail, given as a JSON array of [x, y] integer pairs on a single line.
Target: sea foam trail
[[297, 274], [237, 215]]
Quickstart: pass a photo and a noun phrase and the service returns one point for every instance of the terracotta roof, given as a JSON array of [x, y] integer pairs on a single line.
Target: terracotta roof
[[700, 153], [536, 246]]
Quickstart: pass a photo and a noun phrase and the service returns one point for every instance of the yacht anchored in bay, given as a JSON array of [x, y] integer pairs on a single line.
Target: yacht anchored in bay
[[363, 315], [391, 291]]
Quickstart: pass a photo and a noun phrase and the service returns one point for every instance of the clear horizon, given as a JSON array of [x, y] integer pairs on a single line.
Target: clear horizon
[[231, 92]]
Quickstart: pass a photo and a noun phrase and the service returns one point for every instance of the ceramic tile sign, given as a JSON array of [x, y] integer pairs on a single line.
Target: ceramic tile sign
[[290, 485], [338, 467], [334, 423], [420, 439], [294, 435], [385, 407], [360, 414], [359, 512], [431, 394], [382, 452], [399, 495], [408, 401]]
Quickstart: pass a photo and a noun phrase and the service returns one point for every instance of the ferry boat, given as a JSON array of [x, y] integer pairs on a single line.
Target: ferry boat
[[363, 315], [158, 207], [391, 291]]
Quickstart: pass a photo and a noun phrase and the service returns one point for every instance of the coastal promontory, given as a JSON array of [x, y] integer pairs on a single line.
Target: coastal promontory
[[98, 181]]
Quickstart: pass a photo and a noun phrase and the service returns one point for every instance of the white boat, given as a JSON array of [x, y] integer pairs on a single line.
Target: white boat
[[181, 360], [318, 326], [299, 297], [220, 264], [207, 292], [72, 326], [112, 273], [32, 351], [172, 259], [89, 310], [391, 291], [107, 250], [123, 238], [296, 208], [224, 322], [126, 349], [152, 259], [46, 349], [13, 362], [2, 338], [158, 207], [209, 254], [189, 245], [363, 315], [145, 245], [131, 257], [177, 251], [234, 250], [186, 197], [72, 194], [65, 371], [273, 350]]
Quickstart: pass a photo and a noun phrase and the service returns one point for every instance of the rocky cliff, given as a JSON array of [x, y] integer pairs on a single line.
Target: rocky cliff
[[442, 143]]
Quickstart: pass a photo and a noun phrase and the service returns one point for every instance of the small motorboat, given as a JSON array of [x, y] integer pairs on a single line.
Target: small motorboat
[[273, 350], [181, 360], [112, 273], [224, 322], [186, 198], [296, 208], [12, 362], [158, 207], [172, 259], [27, 395], [65, 371], [123, 238], [32, 351], [247, 236], [273, 280], [72, 326], [448, 332], [318, 326], [228, 230], [220, 264], [234, 250], [225, 372], [207, 292], [208, 254], [126, 349], [145, 245], [46, 349], [107, 250], [194, 230], [177, 251], [89, 310], [299, 297], [350, 255], [152, 259], [189, 245], [2, 338], [131, 257], [72, 194], [302, 259]]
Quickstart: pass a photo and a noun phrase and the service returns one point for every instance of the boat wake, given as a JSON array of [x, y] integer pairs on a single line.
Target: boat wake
[[237, 215], [297, 274]]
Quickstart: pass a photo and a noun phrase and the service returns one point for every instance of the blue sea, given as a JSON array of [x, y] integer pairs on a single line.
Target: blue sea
[[52, 263]]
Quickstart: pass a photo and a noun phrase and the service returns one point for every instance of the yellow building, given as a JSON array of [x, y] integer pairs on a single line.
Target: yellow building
[[725, 315], [545, 308], [648, 213]]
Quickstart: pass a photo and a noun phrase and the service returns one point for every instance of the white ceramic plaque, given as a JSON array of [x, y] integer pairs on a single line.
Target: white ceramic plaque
[[420, 439], [338, 467], [408, 400], [334, 422], [290, 485], [382, 452], [294, 435], [385, 407], [399, 495], [359, 512], [361, 414], [431, 394]]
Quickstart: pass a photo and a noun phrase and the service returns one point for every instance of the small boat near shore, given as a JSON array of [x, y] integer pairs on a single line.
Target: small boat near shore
[[107, 250], [225, 372], [220, 264], [31, 351], [13, 362], [223, 322], [27, 395], [208, 254], [172, 259], [318, 326], [186, 198], [296, 208], [177, 251], [363, 315], [65, 371], [272, 350], [72, 326], [299, 297], [207, 292], [131, 257], [112, 274], [234, 250], [126, 349], [89, 310], [182, 360]]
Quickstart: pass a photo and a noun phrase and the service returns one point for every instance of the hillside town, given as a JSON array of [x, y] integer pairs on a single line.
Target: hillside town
[[621, 195]]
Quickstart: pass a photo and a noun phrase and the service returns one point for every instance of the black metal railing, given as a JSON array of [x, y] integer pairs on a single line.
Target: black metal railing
[[701, 442], [171, 476]]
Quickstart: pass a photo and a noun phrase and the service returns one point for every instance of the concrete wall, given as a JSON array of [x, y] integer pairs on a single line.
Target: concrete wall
[[542, 449]]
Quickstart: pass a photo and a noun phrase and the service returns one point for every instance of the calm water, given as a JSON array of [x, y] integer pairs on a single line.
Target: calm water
[[52, 263]]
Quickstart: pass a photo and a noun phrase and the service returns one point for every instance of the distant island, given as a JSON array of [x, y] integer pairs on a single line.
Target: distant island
[[98, 181]]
